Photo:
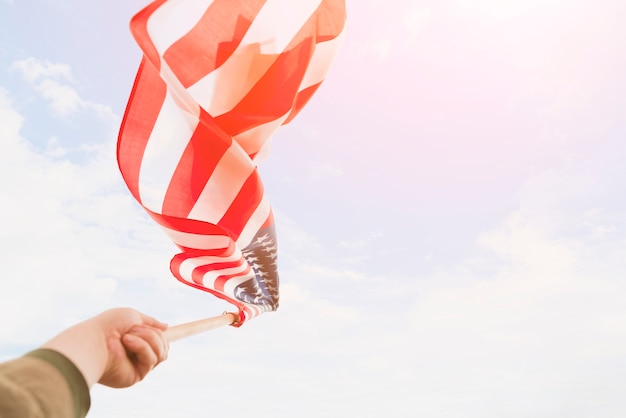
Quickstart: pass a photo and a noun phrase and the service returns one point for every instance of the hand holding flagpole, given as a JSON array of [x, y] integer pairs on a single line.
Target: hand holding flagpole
[[178, 332]]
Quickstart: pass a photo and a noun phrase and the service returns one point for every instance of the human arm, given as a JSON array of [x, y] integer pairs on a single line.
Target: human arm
[[116, 348]]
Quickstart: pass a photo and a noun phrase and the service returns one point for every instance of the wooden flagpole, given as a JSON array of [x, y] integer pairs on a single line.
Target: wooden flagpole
[[178, 332]]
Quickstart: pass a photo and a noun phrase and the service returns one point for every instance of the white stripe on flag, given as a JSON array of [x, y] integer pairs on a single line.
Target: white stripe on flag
[[173, 19], [197, 241], [256, 139], [222, 89], [187, 267], [168, 140], [232, 283], [273, 38], [209, 278], [255, 222]]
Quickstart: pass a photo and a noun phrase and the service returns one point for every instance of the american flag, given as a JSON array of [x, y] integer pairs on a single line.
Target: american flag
[[217, 79]]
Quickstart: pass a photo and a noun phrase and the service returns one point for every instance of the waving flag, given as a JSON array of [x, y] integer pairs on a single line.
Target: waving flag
[[217, 79]]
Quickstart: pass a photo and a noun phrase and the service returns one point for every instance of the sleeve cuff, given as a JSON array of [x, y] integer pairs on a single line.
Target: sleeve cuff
[[73, 376]]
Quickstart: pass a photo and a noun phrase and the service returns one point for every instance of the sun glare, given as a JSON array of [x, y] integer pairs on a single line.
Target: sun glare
[[506, 8]]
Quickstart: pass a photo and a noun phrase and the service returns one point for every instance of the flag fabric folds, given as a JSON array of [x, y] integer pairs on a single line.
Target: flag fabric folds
[[217, 79]]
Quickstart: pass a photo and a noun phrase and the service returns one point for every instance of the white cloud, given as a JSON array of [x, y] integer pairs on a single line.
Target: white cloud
[[47, 78], [326, 171], [322, 272], [12, 121], [54, 148], [293, 238], [33, 70], [548, 313], [299, 300], [536, 269], [63, 99], [370, 239], [37, 259], [68, 235]]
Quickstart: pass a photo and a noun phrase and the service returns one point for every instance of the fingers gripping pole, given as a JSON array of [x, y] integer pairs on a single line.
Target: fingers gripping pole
[[178, 332]]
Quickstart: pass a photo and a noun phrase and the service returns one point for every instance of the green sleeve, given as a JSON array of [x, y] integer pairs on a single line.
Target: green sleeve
[[75, 379], [42, 383]]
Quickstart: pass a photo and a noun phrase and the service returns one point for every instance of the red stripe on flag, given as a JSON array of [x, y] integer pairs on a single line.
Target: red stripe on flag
[[272, 96], [139, 29], [199, 272], [218, 284], [243, 206], [198, 162], [148, 93], [207, 45], [190, 226], [221, 281], [269, 221]]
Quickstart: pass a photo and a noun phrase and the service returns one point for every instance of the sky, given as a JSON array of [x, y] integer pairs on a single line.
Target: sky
[[449, 208]]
